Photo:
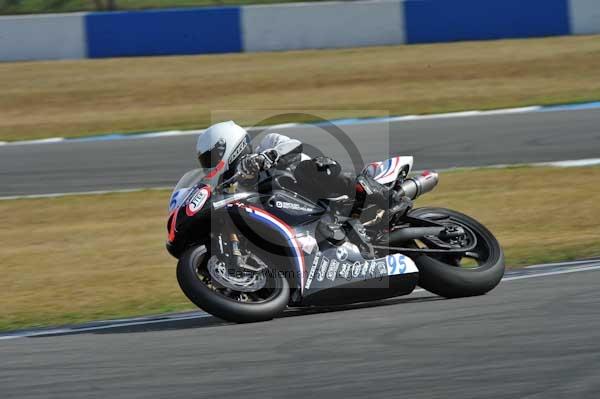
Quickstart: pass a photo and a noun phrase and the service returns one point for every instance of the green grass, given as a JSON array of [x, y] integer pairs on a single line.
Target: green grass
[[80, 258], [8, 7]]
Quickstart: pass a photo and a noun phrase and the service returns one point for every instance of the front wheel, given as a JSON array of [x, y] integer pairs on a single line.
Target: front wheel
[[473, 273], [237, 298]]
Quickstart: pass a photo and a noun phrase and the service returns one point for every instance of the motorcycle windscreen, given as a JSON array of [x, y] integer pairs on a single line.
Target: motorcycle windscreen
[[183, 187]]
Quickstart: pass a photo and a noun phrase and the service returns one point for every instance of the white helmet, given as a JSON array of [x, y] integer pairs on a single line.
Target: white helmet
[[221, 146]]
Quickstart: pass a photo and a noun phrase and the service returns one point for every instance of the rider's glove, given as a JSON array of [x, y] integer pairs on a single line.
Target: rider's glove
[[251, 165]]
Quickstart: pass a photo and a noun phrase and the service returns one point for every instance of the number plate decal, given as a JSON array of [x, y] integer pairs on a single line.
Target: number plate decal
[[197, 201]]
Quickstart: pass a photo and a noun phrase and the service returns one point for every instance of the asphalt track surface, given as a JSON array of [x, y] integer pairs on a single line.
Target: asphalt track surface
[[435, 143], [534, 338]]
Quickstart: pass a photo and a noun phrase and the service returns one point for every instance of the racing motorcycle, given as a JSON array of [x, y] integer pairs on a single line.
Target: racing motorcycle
[[245, 255]]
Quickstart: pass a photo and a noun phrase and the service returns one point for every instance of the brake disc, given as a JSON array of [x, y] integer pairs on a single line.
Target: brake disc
[[242, 281]]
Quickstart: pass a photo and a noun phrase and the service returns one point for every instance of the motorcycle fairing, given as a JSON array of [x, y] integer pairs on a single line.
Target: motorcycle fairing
[[327, 267], [293, 209], [284, 230], [178, 197], [387, 171], [290, 235], [189, 212], [332, 267], [332, 281], [183, 187]]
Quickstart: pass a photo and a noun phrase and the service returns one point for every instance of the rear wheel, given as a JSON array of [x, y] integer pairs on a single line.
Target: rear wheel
[[239, 297], [473, 273]]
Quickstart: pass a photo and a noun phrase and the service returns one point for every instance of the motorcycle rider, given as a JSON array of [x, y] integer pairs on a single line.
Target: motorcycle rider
[[225, 149]]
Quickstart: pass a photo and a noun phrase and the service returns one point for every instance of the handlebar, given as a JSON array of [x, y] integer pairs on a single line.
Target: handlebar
[[231, 180]]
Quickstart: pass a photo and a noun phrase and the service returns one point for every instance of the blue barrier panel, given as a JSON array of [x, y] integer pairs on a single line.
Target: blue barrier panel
[[429, 21], [164, 32]]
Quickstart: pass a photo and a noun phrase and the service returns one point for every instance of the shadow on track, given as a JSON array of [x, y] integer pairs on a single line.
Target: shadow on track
[[192, 320], [211, 321]]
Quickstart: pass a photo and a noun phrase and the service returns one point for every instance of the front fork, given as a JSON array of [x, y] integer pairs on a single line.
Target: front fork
[[228, 250], [230, 253], [236, 260]]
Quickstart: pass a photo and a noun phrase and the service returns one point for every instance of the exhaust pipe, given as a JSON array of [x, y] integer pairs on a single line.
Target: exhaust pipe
[[416, 186]]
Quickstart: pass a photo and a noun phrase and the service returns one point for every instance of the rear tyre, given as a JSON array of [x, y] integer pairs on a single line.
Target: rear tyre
[[227, 304], [443, 275]]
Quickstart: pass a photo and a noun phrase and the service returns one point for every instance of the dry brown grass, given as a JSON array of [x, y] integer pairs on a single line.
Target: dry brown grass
[[67, 98], [80, 258], [538, 214]]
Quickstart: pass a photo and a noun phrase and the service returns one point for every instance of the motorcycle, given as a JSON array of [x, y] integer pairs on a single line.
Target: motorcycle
[[246, 255]]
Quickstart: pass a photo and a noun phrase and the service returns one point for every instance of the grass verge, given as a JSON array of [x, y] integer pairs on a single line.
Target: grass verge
[[74, 259], [74, 98]]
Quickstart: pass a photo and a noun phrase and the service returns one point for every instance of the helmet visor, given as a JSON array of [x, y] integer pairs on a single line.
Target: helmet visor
[[209, 159]]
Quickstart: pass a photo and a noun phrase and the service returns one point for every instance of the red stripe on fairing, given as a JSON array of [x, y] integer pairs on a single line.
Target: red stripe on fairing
[[216, 170], [374, 166], [392, 168], [292, 235], [173, 225], [377, 166]]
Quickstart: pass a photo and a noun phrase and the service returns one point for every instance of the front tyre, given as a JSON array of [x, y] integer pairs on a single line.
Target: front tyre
[[225, 303], [445, 275]]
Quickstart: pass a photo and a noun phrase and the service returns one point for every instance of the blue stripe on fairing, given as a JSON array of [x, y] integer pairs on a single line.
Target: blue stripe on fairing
[[262, 218]]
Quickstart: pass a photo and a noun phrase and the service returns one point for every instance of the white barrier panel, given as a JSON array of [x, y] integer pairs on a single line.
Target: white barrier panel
[[585, 16], [322, 25], [42, 37]]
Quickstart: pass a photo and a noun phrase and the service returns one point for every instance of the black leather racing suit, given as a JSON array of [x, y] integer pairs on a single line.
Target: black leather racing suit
[[322, 177]]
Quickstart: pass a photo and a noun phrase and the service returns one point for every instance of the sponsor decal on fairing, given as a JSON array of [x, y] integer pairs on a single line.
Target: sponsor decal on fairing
[[322, 269], [333, 268], [345, 270], [356, 268], [365, 269], [292, 206], [400, 264], [313, 268], [197, 201], [341, 253]]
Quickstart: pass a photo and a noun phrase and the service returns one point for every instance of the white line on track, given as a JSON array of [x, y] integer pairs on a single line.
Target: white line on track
[[569, 263], [591, 266], [553, 273], [60, 331], [558, 164], [572, 163]]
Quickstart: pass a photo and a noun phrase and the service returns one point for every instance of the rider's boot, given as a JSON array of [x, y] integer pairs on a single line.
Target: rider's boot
[[399, 205], [369, 191]]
